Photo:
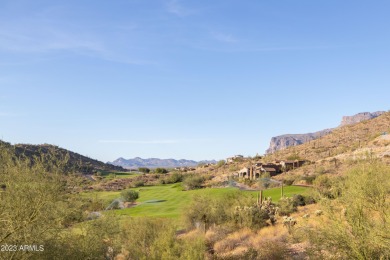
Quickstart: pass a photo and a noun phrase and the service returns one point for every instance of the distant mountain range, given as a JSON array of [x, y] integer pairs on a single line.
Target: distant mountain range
[[283, 141], [155, 163]]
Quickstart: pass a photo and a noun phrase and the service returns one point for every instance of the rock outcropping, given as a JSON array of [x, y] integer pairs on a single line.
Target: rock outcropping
[[350, 120], [282, 142]]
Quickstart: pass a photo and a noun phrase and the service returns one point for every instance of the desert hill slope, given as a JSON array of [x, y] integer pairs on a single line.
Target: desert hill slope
[[283, 141], [51, 153], [345, 139]]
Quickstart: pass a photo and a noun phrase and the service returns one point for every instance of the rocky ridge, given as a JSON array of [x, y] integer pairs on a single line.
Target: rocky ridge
[[350, 120], [283, 141]]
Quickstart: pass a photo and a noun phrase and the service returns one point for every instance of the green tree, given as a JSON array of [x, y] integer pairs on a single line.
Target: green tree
[[161, 170], [144, 170], [129, 195]]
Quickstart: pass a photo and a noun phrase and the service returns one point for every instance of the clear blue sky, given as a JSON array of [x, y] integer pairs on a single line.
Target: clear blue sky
[[187, 79]]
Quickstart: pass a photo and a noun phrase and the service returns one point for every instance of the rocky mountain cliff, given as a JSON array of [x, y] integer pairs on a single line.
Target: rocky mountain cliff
[[155, 162], [282, 142], [350, 120]]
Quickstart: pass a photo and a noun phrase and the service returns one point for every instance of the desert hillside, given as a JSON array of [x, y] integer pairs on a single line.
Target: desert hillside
[[71, 160], [368, 135]]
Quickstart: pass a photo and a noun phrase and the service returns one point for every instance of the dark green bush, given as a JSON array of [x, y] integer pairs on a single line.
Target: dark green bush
[[161, 170], [144, 170], [129, 195], [309, 200], [298, 200]]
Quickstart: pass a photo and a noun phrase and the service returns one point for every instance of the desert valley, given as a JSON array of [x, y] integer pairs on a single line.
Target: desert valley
[[194, 130], [293, 203]]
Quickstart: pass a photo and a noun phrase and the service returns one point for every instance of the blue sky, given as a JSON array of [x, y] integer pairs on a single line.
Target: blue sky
[[187, 79]]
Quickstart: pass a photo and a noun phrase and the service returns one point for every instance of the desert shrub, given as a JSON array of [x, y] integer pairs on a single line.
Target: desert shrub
[[264, 183], [172, 178], [309, 179], [76, 211], [294, 157], [249, 182], [192, 182], [129, 195], [115, 205], [144, 170], [97, 239], [204, 211], [236, 210], [217, 233], [250, 216], [192, 248], [233, 168], [36, 208], [145, 238], [288, 182], [94, 204], [286, 206], [298, 200], [33, 203], [272, 250], [320, 170], [221, 163], [358, 221], [325, 187], [111, 176], [289, 223], [309, 200], [232, 241], [161, 170], [138, 183], [175, 177]]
